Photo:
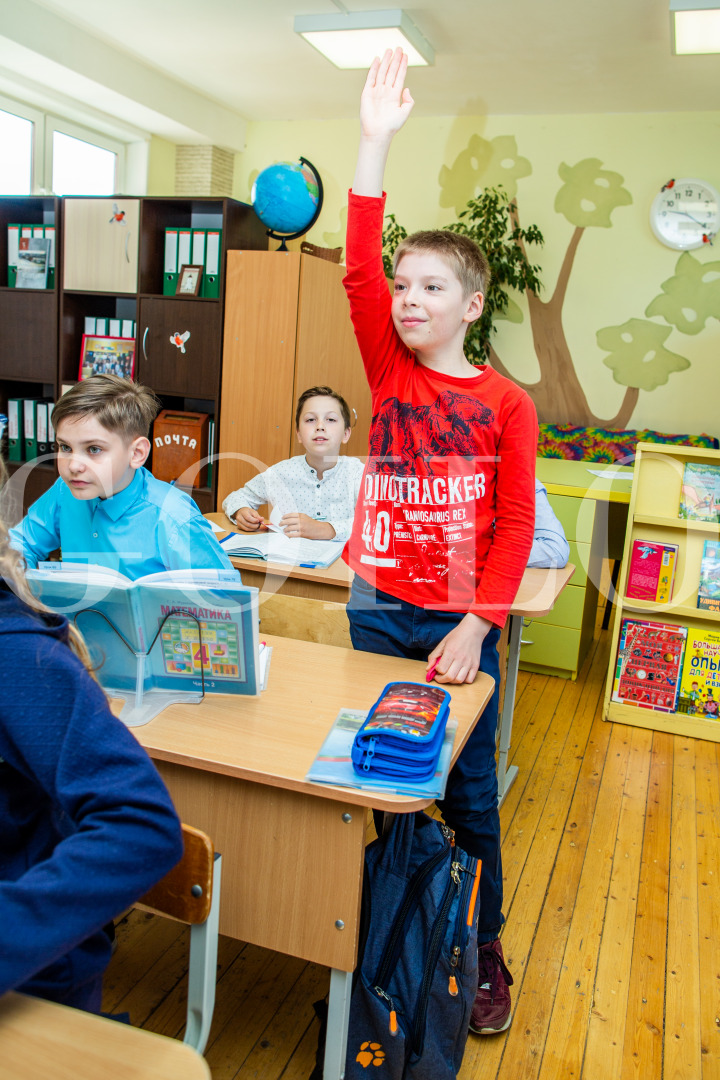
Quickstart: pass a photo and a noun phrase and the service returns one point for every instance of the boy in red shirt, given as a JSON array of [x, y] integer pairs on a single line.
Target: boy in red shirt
[[444, 522]]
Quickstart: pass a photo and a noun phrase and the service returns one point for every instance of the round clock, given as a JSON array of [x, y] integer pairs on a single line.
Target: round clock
[[685, 214]]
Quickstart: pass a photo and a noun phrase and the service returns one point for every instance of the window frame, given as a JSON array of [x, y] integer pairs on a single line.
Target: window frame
[[45, 124]]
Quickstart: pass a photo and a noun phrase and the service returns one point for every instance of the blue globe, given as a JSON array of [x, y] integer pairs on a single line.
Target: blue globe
[[287, 197]]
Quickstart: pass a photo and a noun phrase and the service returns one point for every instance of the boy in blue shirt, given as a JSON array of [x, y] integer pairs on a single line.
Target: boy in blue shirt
[[106, 508]]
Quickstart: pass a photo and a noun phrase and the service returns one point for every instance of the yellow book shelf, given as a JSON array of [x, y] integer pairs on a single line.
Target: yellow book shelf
[[653, 515]]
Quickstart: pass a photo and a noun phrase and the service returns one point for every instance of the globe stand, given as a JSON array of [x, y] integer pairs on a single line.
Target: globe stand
[[282, 237]]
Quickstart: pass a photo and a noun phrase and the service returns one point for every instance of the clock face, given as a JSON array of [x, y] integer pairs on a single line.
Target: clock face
[[685, 214]]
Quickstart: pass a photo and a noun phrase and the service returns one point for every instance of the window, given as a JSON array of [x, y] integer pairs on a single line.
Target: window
[[81, 168], [16, 139]]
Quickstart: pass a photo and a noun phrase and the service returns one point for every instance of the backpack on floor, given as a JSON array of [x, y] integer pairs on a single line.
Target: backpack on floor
[[417, 974]]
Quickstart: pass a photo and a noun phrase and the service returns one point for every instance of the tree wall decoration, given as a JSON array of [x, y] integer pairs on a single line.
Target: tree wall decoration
[[637, 356]]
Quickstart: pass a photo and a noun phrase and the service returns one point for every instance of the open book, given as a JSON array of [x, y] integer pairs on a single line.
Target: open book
[[170, 634], [276, 547]]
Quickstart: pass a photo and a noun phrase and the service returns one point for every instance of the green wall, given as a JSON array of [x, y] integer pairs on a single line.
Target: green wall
[[617, 271]]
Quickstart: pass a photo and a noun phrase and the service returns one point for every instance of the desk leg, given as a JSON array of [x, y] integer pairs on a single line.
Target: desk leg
[[337, 1024], [505, 775]]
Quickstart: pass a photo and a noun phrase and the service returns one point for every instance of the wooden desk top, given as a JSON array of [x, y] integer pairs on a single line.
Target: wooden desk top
[[272, 739], [539, 588], [578, 479], [44, 1041]]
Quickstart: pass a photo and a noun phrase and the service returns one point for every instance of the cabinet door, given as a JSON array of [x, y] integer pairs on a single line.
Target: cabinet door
[[180, 347], [101, 244], [28, 335]]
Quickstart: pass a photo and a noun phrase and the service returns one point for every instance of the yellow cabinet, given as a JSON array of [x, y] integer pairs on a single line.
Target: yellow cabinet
[[592, 511], [101, 245]]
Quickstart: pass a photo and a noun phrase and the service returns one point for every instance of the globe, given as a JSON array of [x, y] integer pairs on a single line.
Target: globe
[[287, 197]]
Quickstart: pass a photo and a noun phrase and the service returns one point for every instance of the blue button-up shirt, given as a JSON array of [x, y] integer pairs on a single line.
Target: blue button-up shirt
[[550, 548], [148, 527]]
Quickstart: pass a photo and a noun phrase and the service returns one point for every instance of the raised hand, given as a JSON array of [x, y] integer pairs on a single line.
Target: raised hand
[[385, 103]]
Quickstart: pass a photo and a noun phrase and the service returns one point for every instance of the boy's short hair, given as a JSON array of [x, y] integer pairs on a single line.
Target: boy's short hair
[[118, 404], [467, 261], [323, 391]]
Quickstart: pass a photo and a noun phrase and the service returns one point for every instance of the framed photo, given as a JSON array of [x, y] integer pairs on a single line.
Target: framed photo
[[188, 282], [107, 356]]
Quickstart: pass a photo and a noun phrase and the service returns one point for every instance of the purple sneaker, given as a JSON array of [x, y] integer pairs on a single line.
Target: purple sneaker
[[491, 1011]]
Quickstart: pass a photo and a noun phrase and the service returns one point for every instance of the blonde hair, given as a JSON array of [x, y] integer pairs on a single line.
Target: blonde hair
[[12, 571], [462, 254], [118, 404]]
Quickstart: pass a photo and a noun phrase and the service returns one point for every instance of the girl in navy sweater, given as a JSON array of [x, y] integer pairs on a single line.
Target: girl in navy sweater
[[86, 823]]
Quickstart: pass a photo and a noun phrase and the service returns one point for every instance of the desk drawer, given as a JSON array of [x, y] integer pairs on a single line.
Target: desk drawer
[[550, 646], [580, 558], [575, 515], [568, 610]]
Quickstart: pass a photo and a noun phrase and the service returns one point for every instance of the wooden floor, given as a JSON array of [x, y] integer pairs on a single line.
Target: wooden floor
[[611, 853]]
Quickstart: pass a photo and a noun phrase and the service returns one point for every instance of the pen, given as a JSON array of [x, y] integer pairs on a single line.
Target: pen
[[308, 565], [431, 673]]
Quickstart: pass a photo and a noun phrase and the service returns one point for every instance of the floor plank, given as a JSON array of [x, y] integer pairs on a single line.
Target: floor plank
[[611, 859]]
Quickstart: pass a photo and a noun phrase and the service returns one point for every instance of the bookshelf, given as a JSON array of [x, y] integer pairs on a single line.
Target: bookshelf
[[653, 516], [28, 328], [110, 264]]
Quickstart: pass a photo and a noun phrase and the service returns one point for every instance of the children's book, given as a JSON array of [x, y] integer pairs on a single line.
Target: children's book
[[276, 547], [652, 571], [709, 586], [700, 493], [333, 764], [648, 666], [175, 633], [700, 683]]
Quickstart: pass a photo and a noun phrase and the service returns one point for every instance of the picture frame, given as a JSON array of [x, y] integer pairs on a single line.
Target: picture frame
[[189, 279], [107, 356]]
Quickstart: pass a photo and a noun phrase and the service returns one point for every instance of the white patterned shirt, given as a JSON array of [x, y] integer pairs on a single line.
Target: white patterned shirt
[[293, 487]]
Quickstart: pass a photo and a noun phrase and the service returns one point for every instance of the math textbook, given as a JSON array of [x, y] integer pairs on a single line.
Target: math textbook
[[700, 493], [648, 666], [179, 630], [652, 571], [700, 683], [708, 598]]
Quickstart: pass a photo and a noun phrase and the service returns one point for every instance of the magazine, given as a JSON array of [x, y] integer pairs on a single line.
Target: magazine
[[333, 764], [700, 683], [708, 597], [700, 493], [648, 666], [178, 631]]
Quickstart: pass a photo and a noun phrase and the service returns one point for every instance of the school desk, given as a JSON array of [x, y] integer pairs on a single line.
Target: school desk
[[593, 512], [40, 1040], [293, 852]]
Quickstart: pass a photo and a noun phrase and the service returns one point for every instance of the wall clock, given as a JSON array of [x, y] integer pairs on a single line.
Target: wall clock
[[685, 214]]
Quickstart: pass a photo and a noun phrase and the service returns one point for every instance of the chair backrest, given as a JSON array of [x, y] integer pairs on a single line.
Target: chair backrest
[[190, 892], [307, 619], [185, 893]]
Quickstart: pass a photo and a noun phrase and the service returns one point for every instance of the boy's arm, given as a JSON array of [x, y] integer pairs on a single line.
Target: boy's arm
[[385, 105], [252, 495], [39, 531], [550, 547], [192, 544]]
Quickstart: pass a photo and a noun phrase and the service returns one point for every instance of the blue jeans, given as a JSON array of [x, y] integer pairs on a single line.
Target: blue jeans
[[381, 623]]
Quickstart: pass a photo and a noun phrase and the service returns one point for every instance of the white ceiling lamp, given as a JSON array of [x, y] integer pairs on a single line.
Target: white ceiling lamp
[[695, 26], [353, 39]]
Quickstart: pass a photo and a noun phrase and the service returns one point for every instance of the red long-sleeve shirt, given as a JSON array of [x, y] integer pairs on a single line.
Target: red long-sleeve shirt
[[446, 510]]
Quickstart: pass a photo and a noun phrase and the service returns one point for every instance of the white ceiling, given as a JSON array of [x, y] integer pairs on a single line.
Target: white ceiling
[[492, 56]]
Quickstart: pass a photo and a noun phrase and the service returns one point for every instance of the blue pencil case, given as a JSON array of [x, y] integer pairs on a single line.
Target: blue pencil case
[[403, 734]]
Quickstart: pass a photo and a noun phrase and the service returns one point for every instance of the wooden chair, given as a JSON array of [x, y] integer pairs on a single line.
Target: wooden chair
[[190, 893], [304, 618]]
